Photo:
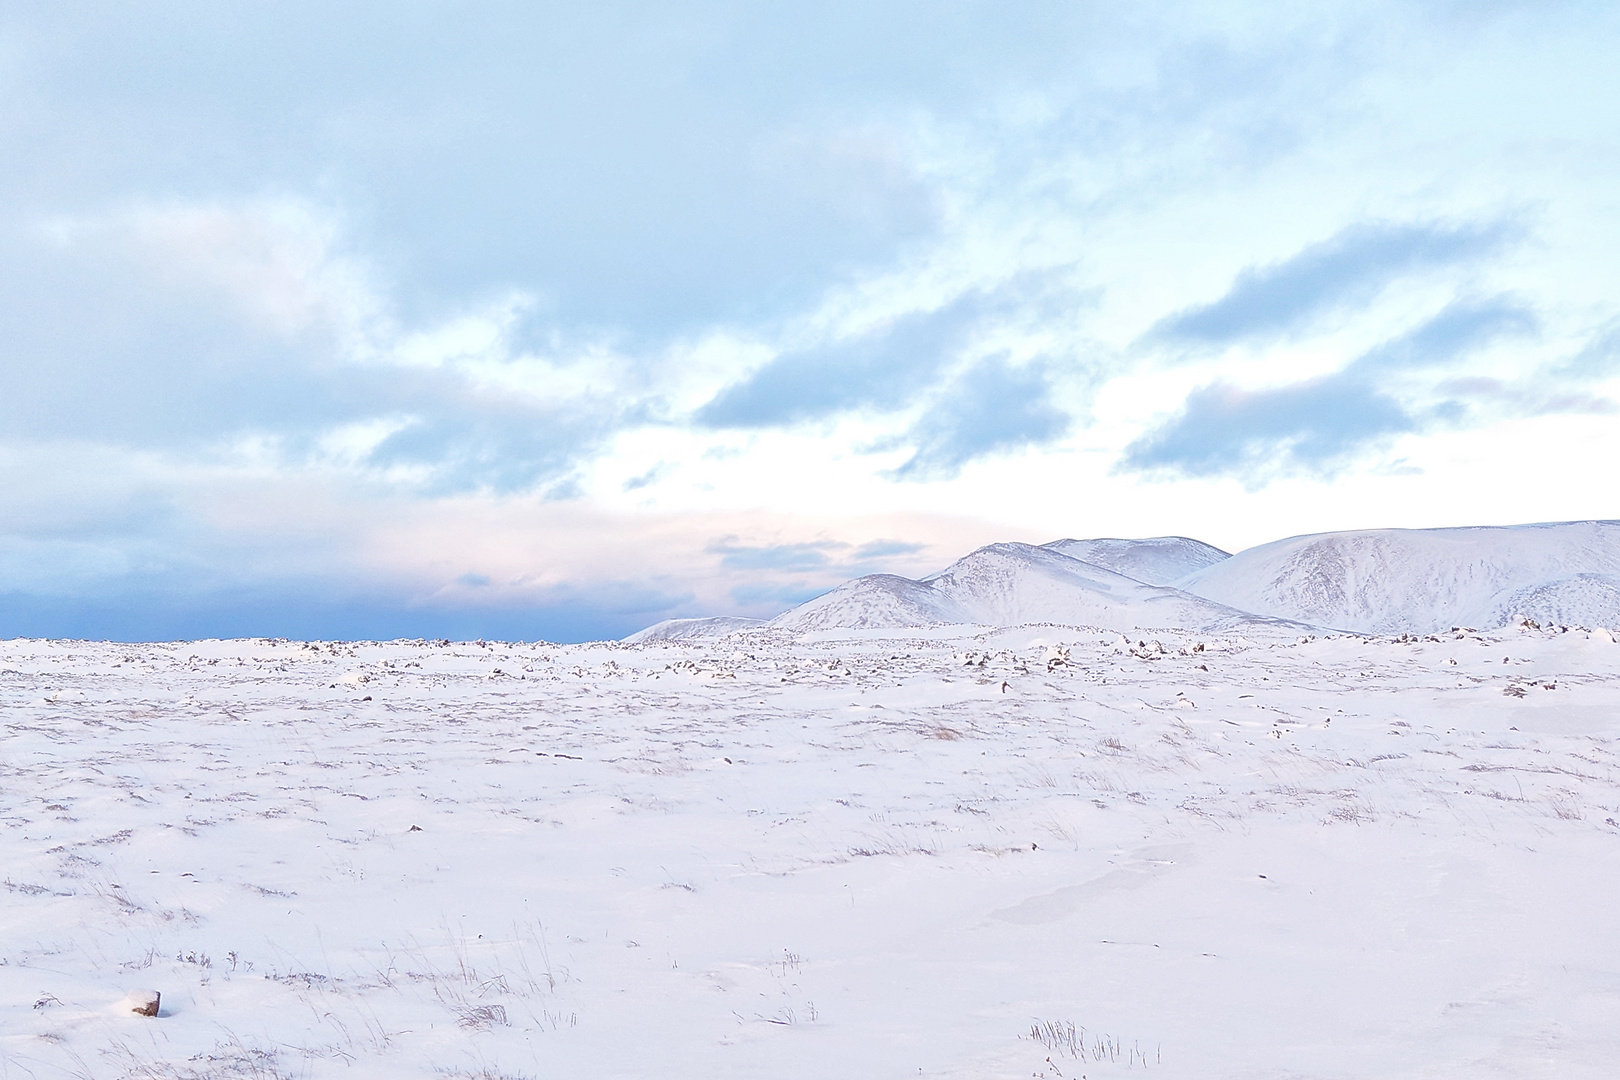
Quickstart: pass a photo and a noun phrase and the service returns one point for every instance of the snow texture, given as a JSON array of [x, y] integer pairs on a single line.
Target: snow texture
[[1157, 560], [1004, 853], [1014, 584], [1423, 580], [1018, 584], [877, 601]]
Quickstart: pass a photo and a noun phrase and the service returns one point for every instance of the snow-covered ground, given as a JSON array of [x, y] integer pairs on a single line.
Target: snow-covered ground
[[936, 854]]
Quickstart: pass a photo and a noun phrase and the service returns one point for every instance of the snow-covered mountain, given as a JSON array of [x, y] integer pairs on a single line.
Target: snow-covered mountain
[[1009, 585], [1370, 581], [1421, 580], [1156, 560]]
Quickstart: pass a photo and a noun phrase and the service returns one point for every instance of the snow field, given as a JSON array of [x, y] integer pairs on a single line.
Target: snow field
[[859, 856]]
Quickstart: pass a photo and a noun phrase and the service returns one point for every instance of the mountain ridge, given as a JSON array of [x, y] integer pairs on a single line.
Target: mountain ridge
[[1422, 580], [1365, 581]]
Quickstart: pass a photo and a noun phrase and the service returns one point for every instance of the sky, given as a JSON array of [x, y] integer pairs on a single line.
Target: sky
[[522, 320]]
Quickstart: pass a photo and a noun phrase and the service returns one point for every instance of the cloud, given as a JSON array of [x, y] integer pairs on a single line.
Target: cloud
[[626, 160], [878, 549], [991, 408], [648, 478], [888, 364], [497, 449], [807, 556], [1347, 269], [1223, 429], [881, 368], [1598, 358], [780, 576], [201, 329], [775, 596], [1318, 423], [1463, 326]]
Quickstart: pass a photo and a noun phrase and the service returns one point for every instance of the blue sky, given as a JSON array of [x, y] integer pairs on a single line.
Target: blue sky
[[528, 320]]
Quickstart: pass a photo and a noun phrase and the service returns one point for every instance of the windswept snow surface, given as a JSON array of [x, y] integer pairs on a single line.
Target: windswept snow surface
[[1156, 560], [683, 629], [1423, 580], [803, 857], [1011, 585]]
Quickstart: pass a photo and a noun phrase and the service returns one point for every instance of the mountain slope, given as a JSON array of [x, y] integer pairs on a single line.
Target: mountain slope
[[877, 601], [1422, 580], [1367, 581], [1010, 585], [687, 629], [1156, 560]]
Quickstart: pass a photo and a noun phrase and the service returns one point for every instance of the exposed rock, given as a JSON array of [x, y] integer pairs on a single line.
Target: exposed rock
[[140, 1002]]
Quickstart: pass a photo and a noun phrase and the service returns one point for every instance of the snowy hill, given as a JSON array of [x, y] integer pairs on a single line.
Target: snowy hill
[[1370, 581], [1156, 560], [1422, 580], [1583, 600], [877, 601], [687, 629], [1010, 585]]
